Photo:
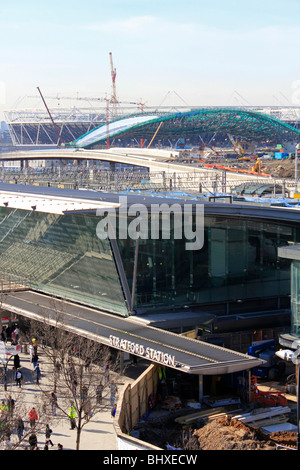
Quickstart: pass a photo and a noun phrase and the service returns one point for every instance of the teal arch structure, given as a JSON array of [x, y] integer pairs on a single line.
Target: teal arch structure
[[245, 124]]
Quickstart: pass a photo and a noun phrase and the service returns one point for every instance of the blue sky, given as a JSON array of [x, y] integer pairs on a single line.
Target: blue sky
[[208, 53]]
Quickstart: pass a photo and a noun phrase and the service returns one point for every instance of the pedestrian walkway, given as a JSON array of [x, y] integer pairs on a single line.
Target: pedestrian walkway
[[97, 434]]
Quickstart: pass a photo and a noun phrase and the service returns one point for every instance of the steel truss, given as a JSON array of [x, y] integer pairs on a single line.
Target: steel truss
[[33, 126]]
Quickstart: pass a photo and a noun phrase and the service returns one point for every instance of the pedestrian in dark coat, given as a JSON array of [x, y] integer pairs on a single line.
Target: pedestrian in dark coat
[[35, 359], [48, 433], [99, 391], [20, 427], [32, 441], [11, 405], [53, 400], [37, 372], [4, 335], [16, 361]]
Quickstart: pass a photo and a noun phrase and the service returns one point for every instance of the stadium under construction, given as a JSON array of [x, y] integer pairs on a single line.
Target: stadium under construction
[[181, 125]]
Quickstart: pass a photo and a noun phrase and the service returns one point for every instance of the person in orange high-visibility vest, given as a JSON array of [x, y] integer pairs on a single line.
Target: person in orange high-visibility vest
[[33, 417]]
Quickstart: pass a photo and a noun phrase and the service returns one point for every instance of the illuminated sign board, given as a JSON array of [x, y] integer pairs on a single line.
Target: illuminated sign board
[[140, 350]]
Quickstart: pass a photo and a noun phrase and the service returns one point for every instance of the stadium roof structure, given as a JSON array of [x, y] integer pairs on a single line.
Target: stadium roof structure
[[245, 124]]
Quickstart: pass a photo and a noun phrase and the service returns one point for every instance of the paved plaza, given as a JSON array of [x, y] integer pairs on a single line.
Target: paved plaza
[[97, 434]]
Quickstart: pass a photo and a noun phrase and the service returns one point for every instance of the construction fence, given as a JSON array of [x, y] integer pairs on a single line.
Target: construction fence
[[135, 403]]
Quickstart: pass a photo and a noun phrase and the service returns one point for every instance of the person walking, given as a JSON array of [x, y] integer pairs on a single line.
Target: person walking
[[33, 417], [3, 410], [57, 370], [20, 427], [35, 359], [37, 372], [74, 385], [16, 333], [46, 446], [31, 351], [113, 393], [35, 345], [87, 408], [48, 433], [32, 441], [15, 336], [99, 391], [4, 334], [72, 416], [53, 400], [19, 378], [17, 363], [106, 374], [11, 405], [84, 392]]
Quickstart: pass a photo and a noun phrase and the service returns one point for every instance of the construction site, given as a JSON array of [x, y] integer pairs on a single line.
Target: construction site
[[247, 177], [268, 423], [242, 140], [243, 163]]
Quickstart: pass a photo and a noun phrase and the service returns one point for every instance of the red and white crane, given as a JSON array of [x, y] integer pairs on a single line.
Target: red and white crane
[[114, 99]]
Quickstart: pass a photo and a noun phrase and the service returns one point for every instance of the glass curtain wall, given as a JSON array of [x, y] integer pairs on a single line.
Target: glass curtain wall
[[60, 255], [238, 261], [295, 298]]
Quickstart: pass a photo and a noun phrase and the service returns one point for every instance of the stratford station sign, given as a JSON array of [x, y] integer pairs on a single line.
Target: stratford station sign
[[142, 351]]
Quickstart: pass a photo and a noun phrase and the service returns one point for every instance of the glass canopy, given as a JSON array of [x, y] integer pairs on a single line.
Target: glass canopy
[[60, 255]]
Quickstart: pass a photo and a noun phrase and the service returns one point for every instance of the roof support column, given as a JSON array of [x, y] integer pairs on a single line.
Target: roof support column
[[200, 388], [123, 278], [136, 255]]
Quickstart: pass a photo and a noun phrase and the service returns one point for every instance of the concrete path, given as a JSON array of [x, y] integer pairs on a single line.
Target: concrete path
[[98, 434]]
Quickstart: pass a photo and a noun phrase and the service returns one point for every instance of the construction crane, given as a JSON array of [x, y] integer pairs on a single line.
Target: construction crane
[[113, 78], [55, 126]]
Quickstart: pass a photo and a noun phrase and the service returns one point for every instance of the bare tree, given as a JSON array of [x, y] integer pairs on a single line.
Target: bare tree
[[81, 373]]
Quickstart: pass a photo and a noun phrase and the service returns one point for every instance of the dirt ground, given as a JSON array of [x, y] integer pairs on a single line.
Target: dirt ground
[[282, 169], [219, 433], [279, 168], [224, 433], [231, 434]]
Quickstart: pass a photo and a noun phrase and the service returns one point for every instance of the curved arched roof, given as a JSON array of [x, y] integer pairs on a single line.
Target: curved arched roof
[[245, 124]]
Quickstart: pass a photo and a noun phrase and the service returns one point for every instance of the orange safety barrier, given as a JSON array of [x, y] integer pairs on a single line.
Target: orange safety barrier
[[234, 170], [271, 398]]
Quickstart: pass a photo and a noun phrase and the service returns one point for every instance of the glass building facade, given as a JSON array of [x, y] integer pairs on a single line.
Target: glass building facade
[[60, 255], [63, 256], [292, 253], [237, 262], [295, 298]]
